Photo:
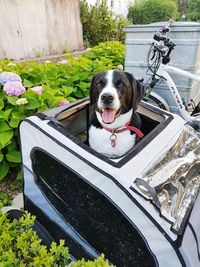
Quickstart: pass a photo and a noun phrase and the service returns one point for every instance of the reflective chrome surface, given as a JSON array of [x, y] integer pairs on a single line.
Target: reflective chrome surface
[[172, 181]]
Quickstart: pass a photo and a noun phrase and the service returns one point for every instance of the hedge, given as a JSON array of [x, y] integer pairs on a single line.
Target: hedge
[[149, 11]]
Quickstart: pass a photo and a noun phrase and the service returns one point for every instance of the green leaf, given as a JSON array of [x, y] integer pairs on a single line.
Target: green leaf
[[78, 93], [27, 83], [84, 86], [13, 156], [4, 126], [14, 123], [71, 99], [1, 157], [19, 176], [1, 114], [5, 137], [33, 104], [4, 168], [12, 100], [54, 102], [67, 90], [18, 115], [46, 96], [13, 164], [1, 103], [12, 146], [5, 199], [30, 94], [7, 114]]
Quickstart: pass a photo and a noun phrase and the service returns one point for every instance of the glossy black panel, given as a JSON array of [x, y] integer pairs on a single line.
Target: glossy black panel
[[90, 213]]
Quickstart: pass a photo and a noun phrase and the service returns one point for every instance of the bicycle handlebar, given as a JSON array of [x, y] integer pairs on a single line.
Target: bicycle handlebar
[[158, 37], [162, 42], [165, 41], [160, 49]]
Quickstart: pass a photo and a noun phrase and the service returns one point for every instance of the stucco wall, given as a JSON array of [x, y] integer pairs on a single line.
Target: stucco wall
[[31, 28]]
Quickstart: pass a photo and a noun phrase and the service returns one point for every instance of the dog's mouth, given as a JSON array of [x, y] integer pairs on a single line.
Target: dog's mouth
[[108, 115]]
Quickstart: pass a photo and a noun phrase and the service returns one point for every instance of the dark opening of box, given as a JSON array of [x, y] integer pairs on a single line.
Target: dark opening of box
[[77, 120]]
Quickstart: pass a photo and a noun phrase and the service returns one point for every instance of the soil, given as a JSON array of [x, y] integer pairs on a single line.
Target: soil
[[10, 186]]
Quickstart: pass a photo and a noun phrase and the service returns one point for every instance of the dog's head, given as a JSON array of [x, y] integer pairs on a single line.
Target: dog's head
[[113, 93]]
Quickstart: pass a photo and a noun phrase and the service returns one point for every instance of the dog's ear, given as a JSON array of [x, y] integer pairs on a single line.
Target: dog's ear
[[138, 93], [138, 90], [92, 89]]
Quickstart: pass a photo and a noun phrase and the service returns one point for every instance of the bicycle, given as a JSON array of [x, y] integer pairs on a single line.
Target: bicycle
[[158, 59]]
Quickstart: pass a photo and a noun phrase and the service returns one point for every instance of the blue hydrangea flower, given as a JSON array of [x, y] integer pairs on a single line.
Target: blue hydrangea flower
[[9, 77]]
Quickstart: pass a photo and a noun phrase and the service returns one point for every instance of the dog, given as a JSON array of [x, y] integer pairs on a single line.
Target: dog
[[115, 125]]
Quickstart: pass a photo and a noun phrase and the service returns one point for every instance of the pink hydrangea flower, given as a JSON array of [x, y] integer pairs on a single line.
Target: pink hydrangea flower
[[9, 77], [37, 89], [63, 102], [14, 88]]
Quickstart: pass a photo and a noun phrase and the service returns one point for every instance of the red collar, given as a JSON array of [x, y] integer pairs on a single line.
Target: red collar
[[113, 136]]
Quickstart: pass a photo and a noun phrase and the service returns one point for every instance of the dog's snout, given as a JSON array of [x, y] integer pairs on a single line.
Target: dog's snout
[[107, 98]]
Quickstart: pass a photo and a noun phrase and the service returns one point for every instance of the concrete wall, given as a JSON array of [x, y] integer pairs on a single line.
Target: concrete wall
[[31, 28]]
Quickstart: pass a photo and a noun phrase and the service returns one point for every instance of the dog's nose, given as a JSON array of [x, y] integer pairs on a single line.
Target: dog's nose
[[107, 98]]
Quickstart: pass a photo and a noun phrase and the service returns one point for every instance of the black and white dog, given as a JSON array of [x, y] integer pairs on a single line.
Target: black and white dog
[[115, 125]]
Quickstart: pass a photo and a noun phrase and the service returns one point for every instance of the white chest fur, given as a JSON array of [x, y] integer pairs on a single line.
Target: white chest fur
[[99, 139]]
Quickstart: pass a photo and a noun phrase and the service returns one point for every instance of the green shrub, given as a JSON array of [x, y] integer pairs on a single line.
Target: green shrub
[[193, 12], [109, 51], [149, 11], [20, 246], [100, 262], [60, 83], [5, 200], [100, 25]]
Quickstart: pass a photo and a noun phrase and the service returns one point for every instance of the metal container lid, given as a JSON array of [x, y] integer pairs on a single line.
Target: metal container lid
[[176, 26]]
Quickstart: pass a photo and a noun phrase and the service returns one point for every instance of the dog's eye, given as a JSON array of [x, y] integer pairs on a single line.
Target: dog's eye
[[121, 85], [98, 85]]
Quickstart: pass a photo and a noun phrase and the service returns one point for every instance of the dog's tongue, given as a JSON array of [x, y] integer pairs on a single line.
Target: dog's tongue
[[108, 115]]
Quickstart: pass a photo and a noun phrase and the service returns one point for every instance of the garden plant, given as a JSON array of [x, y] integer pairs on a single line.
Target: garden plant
[[149, 11], [27, 88], [193, 10], [20, 246], [100, 24]]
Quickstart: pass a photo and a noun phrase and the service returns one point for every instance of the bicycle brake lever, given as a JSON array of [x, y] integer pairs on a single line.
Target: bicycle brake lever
[[166, 28], [170, 22]]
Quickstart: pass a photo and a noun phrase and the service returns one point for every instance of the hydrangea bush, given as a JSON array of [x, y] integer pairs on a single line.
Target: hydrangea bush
[[21, 246], [27, 88]]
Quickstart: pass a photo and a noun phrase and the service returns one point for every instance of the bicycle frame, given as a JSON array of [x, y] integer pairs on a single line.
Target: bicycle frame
[[162, 72]]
